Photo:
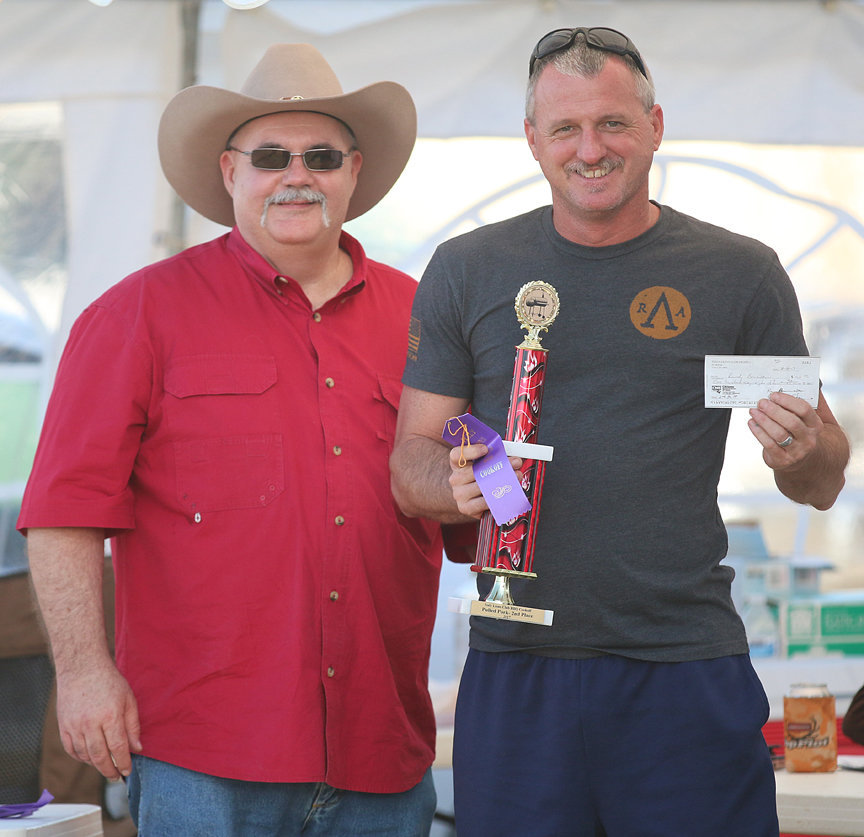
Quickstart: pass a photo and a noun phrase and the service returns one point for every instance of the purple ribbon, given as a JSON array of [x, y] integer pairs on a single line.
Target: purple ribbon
[[25, 809], [495, 476]]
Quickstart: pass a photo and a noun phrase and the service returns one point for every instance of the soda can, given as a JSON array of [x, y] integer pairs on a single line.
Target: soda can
[[810, 729]]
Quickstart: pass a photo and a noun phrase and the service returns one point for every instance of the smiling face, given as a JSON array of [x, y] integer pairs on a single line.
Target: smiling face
[[292, 206], [595, 143]]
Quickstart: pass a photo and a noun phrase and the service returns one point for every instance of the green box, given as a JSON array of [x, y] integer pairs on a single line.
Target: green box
[[828, 625]]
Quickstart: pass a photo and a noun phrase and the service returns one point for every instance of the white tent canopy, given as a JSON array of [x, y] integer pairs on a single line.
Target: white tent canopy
[[750, 71]]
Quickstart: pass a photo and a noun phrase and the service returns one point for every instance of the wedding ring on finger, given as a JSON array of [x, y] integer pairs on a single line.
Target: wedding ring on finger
[[787, 441]]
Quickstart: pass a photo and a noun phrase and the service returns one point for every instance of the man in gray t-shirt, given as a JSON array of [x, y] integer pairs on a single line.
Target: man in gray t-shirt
[[630, 538]]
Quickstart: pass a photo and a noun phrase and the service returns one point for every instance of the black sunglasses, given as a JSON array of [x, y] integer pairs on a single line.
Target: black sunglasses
[[315, 159], [610, 40]]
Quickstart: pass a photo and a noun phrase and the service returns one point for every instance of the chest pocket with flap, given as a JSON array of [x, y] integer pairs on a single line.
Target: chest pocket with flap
[[220, 419]]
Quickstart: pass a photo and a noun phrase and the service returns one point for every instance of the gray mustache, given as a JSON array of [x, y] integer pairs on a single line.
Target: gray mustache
[[297, 193]]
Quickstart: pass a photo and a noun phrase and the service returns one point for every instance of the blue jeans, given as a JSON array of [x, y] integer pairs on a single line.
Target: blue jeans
[[170, 801]]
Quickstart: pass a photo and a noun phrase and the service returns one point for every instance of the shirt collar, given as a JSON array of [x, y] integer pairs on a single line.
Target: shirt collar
[[266, 275]]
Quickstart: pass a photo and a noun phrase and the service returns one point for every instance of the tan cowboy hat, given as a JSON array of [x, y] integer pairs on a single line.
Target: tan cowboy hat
[[198, 121]]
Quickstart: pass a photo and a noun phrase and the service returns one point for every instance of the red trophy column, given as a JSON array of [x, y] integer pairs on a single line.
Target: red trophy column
[[507, 551]]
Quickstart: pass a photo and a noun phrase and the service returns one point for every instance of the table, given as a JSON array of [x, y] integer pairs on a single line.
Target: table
[[56, 820], [821, 803]]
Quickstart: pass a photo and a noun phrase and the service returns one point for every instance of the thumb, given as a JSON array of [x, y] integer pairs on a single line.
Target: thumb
[[133, 726]]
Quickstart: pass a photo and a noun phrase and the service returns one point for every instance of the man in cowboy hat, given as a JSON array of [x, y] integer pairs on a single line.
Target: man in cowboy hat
[[233, 410]]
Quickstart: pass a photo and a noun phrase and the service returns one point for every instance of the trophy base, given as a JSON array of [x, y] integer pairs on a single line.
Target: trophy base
[[499, 604], [499, 610]]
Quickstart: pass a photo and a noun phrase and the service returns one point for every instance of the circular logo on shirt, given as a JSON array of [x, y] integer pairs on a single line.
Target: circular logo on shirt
[[660, 312]]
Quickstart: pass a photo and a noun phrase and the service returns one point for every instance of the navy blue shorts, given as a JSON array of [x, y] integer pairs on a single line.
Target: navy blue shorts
[[611, 747]]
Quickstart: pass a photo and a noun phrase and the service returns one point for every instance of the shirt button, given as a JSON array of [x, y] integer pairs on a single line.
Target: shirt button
[[337, 451], [317, 317], [334, 595], [331, 671], [339, 520], [329, 383]]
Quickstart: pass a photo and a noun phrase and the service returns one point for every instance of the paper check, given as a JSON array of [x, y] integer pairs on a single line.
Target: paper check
[[741, 380]]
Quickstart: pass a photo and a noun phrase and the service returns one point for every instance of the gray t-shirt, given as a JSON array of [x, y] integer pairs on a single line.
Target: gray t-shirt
[[630, 537]]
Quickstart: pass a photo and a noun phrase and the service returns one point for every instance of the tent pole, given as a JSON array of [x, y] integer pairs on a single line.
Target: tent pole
[[190, 13]]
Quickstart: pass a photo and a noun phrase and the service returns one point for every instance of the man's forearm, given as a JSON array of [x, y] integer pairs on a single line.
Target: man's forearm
[[66, 571], [819, 479], [96, 711], [420, 471]]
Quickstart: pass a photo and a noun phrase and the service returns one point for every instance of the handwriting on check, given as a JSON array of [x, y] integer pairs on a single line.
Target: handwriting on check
[[741, 380]]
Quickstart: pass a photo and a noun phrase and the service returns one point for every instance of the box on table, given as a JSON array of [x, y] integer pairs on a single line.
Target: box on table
[[831, 624], [56, 820]]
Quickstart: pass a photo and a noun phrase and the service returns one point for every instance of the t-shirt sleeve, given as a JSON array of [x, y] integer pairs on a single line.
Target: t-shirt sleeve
[[439, 357], [92, 429], [773, 319]]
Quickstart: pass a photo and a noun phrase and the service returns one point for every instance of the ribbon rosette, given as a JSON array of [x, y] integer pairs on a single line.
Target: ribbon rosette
[[495, 476]]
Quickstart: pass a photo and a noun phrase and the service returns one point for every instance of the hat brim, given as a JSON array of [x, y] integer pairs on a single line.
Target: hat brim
[[198, 121]]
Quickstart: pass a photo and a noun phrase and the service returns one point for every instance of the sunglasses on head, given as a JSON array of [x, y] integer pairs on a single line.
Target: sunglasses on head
[[609, 40], [315, 159]]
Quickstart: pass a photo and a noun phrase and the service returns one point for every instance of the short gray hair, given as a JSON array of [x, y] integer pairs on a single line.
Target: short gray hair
[[581, 60]]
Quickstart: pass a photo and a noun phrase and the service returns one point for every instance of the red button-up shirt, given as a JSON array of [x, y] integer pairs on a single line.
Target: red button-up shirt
[[274, 607]]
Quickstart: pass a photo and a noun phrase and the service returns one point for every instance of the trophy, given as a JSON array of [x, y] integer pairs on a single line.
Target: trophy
[[506, 550]]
